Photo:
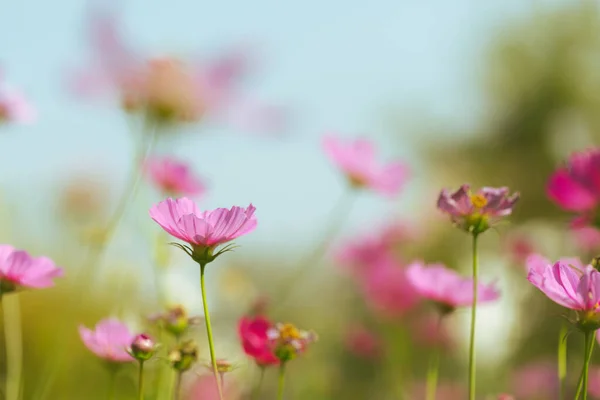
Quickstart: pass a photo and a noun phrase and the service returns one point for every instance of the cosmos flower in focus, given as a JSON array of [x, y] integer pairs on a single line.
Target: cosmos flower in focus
[[173, 177], [357, 160], [19, 270], [109, 340], [14, 107], [476, 212]]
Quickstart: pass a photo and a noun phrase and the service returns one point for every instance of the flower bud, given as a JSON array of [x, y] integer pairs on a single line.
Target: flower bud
[[184, 356], [142, 347]]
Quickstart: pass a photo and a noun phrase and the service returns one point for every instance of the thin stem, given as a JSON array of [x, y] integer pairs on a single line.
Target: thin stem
[[588, 349], [256, 390], [281, 385], [209, 332], [432, 374], [141, 381], [562, 361], [14, 345], [177, 388], [473, 322], [112, 380]]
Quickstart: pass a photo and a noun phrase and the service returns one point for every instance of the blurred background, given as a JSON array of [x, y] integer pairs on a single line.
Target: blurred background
[[492, 93]]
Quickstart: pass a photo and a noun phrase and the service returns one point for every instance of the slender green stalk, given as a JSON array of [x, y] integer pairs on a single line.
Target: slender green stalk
[[209, 332], [432, 374], [14, 345], [281, 385], [112, 381], [177, 387], [562, 361], [141, 381], [588, 349], [473, 322], [256, 390], [583, 379]]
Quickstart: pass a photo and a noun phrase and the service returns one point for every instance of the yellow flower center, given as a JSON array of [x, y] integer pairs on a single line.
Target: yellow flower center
[[478, 200], [289, 332]]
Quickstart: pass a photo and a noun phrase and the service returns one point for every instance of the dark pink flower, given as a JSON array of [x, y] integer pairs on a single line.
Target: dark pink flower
[[537, 380], [446, 287], [253, 333], [476, 212], [110, 340], [14, 107], [363, 343], [167, 89], [203, 230], [357, 159], [20, 270], [387, 290], [173, 177]]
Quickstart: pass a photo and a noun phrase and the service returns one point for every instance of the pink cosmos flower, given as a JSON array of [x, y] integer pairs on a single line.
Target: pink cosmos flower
[[110, 340], [204, 387], [14, 107], [357, 159], [363, 343], [446, 287], [477, 212], [537, 265], [255, 340], [166, 88], [182, 219], [20, 270], [586, 238], [537, 380], [173, 177], [387, 289], [594, 382]]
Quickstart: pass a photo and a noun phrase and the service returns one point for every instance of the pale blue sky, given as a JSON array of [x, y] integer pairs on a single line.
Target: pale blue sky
[[340, 65]]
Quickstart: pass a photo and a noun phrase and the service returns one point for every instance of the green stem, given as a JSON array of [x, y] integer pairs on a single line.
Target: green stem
[[141, 381], [562, 361], [281, 385], [256, 390], [14, 345], [112, 380], [209, 332], [177, 388], [588, 349], [432, 374], [473, 322]]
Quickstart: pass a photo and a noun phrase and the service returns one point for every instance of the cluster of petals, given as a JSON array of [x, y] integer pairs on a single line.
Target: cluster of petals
[[357, 159], [18, 269], [566, 282], [477, 211], [287, 336], [169, 88], [183, 219], [253, 333], [438, 283], [109, 340], [173, 177], [14, 107]]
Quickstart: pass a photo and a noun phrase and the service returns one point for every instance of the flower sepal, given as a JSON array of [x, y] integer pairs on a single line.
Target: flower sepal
[[203, 254], [588, 321]]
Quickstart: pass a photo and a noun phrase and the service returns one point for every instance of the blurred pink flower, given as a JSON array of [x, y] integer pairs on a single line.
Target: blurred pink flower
[[362, 342], [505, 396], [169, 89], [576, 186], [204, 387], [586, 238], [477, 212], [255, 340], [14, 107], [537, 380], [519, 247], [567, 284], [20, 270], [357, 159], [387, 289], [445, 391], [110, 340], [429, 331], [594, 382], [182, 219], [173, 177], [446, 287]]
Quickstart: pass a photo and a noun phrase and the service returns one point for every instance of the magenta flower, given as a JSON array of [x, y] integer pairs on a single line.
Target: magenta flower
[[357, 159], [255, 340], [173, 177], [167, 89], [203, 230], [475, 213], [110, 340], [387, 289], [14, 107], [446, 287], [20, 270]]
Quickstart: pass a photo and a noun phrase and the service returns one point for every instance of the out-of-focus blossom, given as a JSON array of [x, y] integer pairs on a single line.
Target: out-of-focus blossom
[[204, 387], [184, 355], [586, 238], [287, 341], [505, 396], [534, 381], [166, 89], [446, 287], [175, 320], [387, 290], [109, 340], [20, 270], [519, 247], [363, 343], [255, 340], [476, 212], [429, 331], [173, 177], [14, 107], [142, 347], [203, 230], [594, 382], [444, 391], [357, 159]]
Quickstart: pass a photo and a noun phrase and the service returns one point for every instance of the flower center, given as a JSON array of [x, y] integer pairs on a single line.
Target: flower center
[[478, 200], [289, 332]]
